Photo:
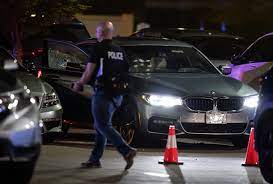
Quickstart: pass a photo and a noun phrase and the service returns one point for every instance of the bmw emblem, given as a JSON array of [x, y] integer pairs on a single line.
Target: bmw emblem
[[213, 93]]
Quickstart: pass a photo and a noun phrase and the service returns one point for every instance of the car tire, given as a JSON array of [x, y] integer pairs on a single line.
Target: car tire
[[266, 162], [240, 141], [65, 128], [264, 136], [125, 119]]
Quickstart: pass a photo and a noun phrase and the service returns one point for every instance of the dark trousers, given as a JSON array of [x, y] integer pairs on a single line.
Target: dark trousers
[[103, 108]]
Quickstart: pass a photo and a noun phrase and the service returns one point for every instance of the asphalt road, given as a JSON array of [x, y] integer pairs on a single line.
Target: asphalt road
[[207, 163]]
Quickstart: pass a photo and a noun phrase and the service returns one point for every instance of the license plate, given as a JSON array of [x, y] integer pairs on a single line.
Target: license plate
[[215, 117]]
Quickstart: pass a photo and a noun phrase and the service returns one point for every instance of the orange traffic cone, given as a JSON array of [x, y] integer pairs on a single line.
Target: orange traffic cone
[[171, 153], [252, 158]]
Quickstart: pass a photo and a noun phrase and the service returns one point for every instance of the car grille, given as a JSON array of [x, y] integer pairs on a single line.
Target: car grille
[[206, 104], [230, 104], [208, 128], [200, 104]]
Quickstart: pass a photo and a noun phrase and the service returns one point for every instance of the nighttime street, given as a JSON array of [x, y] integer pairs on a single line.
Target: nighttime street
[[207, 162]]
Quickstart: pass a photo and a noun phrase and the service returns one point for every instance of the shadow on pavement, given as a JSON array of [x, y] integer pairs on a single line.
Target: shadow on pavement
[[175, 174], [254, 176], [77, 174], [111, 179]]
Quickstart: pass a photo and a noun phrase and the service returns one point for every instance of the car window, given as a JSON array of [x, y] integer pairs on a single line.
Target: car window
[[261, 51], [157, 59], [88, 48], [65, 56], [220, 48]]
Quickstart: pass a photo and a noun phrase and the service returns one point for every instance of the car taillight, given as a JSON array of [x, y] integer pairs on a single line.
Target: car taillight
[[39, 74]]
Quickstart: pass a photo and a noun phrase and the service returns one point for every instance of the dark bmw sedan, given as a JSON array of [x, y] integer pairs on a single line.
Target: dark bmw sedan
[[172, 83]]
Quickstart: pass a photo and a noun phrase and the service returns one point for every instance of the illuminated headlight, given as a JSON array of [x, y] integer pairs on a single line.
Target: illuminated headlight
[[251, 101], [163, 100], [50, 99]]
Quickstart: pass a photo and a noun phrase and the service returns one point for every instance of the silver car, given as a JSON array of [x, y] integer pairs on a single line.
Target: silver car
[[51, 110], [20, 132]]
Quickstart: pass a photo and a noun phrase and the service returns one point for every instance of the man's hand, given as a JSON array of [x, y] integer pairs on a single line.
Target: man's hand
[[86, 76], [77, 87]]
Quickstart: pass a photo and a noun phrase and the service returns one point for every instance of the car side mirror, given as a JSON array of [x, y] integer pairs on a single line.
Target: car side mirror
[[10, 65], [225, 69], [235, 59]]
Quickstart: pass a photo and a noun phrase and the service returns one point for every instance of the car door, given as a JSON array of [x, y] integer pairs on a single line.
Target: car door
[[63, 63], [254, 62]]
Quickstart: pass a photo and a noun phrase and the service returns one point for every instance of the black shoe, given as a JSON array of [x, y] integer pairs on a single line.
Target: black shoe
[[91, 164], [129, 158]]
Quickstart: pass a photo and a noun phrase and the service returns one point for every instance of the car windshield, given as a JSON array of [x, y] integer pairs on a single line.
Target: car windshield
[[217, 48], [167, 59]]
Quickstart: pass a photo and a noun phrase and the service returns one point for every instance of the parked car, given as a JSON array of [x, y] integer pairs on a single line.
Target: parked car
[[217, 46], [264, 127], [255, 61], [172, 83], [47, 100], [20, 133]]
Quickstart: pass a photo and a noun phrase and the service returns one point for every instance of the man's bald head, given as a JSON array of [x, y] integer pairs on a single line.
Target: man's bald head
[[104, 30]]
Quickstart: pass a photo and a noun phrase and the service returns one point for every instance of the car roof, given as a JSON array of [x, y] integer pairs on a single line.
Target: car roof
[[183, 32], [135, 41]]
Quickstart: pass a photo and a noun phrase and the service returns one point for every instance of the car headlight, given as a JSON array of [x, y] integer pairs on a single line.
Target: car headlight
[[50, 99], [251, 101], [162, 100]]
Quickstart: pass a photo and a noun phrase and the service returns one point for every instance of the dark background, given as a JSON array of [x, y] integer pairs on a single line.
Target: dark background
[[250, 18]]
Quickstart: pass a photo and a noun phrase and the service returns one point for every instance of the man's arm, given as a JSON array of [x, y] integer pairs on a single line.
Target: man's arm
[[86, 76]]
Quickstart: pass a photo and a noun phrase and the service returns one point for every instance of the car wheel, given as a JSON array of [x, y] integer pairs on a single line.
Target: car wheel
[[265, 134], [65, 127], [125, 120], [266, 165], [240, 141]]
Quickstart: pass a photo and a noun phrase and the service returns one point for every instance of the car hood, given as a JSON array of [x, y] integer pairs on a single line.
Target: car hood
[[8, 82], [191, 84], [34, 84]]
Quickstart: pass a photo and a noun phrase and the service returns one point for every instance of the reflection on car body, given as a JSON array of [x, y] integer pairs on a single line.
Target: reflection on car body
[[20, 133], [47, 99], [172, 83]]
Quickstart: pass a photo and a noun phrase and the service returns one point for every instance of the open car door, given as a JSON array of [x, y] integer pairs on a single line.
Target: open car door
[[63, 63]]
